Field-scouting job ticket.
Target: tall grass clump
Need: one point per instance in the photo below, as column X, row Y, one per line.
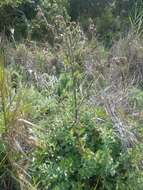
column 16, row 142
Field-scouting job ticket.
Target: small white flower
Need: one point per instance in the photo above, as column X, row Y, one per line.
column 30, row 71
column 12, row 31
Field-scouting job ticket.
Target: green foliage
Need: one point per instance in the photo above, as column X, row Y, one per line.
column 10, row 2
column 82, row 155
column 136, row 18
column 54, row 8
column 107, row 22
column 55, row 133
column 86, row 155
column 91, row 8
column 36, row 19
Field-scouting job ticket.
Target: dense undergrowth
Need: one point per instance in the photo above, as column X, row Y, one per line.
column 71, row 115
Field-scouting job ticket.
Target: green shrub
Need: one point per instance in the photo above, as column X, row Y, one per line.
column 84, row 155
